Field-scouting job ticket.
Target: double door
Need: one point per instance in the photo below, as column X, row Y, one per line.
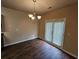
column 54, row 32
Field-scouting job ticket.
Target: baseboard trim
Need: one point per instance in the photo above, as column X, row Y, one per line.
column 62, row 49
column 69, row 53
column 17, row 42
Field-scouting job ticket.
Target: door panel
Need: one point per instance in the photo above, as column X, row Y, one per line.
column 48, row 31
column 58, row 33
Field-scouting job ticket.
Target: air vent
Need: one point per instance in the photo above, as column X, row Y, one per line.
column 49, row 7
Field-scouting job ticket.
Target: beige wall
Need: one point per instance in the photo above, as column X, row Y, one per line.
column 18, row 27
column 70, row 36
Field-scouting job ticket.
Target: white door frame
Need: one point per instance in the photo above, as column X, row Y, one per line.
column 56, row 20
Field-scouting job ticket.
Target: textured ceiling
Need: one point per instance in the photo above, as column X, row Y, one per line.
column 41, row 5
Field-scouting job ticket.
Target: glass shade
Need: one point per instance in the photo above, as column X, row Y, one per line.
column 30, row 15
column 39, row 17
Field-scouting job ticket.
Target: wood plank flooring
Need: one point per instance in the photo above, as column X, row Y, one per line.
column 33, row 49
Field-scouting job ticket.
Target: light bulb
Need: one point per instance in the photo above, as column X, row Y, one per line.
column 39, row 17
column 30, row 15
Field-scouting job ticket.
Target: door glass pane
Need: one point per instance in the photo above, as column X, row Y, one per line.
column 48, row 31
column 58, row 33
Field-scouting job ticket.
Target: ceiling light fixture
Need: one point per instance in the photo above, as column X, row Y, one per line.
column 34, row 15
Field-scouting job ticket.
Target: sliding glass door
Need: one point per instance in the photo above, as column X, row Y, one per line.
column 54, row 32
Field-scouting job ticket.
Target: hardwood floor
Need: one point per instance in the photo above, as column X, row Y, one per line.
column 33, row 49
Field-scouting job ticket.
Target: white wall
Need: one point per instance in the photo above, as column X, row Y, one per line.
column 18, row 27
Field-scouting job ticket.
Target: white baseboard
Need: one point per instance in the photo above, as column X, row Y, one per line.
column 63, row 49
column 17, row 42
column 69, row 53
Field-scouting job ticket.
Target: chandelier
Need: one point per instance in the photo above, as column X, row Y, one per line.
column 34, row 16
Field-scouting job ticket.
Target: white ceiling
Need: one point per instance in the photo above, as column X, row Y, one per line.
column 41, row 5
